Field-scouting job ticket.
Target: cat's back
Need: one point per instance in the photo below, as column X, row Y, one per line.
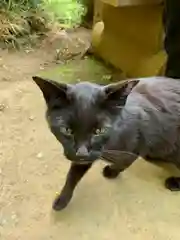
column 154, row 106
column 156, row 93
column 159, row 86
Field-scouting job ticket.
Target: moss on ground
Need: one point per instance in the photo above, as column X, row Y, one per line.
column 87, row 69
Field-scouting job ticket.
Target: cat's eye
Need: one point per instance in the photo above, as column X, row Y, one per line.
column 66, row 130
column 99, row 131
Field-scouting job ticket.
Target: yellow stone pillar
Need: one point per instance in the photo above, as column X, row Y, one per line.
column 129, row 35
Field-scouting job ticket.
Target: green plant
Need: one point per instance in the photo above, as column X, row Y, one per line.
column 10, row 5
column 68, row 12
column 19, row 19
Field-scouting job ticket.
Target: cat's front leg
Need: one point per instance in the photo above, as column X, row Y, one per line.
column 76, row 172
column 173, row 183
column 113, row 170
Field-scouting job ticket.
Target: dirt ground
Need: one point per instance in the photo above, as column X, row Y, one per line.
column 135, row 206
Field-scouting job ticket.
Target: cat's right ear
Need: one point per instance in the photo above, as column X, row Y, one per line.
column 51, row 90
column 117, row 93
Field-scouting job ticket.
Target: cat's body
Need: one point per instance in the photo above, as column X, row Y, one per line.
column 138, row 117
column 151, row 117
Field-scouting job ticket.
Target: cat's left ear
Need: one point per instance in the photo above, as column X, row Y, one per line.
column 51, row 89
column 117, row 93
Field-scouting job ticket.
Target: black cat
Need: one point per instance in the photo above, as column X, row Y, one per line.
column 137, row 116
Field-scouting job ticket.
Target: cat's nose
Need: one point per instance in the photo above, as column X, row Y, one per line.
column 82, row 152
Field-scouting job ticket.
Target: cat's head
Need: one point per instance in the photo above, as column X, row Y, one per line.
column 81, row 115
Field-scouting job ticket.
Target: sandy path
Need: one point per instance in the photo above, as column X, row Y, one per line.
column 134, row 207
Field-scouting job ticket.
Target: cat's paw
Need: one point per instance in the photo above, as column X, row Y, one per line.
column 110, row 173
column 60, row 202
column 173, row 183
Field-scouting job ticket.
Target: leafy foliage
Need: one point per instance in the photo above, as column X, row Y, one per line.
column 23, row 18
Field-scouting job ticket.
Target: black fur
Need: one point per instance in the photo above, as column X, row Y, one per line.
column 139, row 117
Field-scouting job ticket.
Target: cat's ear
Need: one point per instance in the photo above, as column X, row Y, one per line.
column 51, row 89
column 117, row 93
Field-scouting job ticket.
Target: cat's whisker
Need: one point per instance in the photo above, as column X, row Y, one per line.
column 117, row 152
column 115, row 155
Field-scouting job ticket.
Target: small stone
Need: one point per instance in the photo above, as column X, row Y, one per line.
column 5, row 79
column 39, row 155
column 2, row 107
column 31, row 118
column 19, row 91
column 3, row 222
column 4, row 66
column 14, row 217
column 59, row 62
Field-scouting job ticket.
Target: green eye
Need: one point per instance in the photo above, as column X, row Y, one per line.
column 66, row 130
column 99, row 131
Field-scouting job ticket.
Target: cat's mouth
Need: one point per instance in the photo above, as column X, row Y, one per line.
column 93, row 156
column 83, row 161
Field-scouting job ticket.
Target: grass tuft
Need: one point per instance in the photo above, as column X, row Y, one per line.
column 21, row 19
